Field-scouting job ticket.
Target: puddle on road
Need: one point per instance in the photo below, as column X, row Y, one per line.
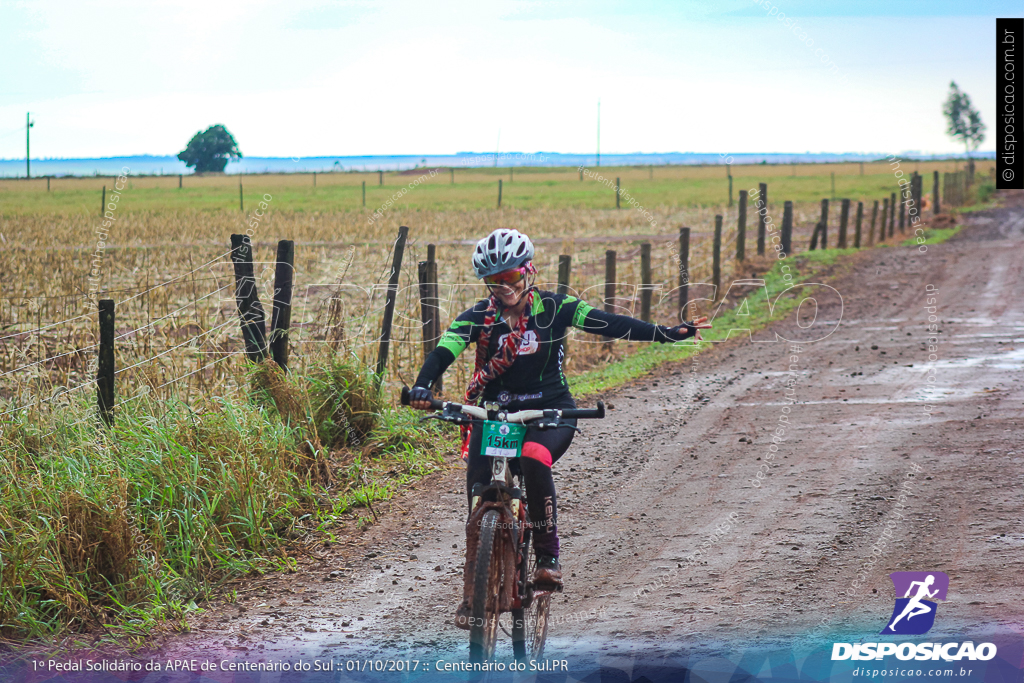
column 1012, row 359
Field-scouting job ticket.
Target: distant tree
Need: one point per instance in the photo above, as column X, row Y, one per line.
column 964, row 120
column 209, row 150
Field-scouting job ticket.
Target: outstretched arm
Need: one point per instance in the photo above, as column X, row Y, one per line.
column 592, row 320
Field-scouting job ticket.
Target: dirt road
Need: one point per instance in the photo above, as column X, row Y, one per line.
column 866, row 417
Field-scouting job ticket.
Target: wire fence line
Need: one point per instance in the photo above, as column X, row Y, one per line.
column 339, row 315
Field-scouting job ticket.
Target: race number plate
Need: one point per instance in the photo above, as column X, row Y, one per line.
column 503, row 440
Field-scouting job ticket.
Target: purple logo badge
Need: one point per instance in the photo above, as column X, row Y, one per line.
column 915, row 608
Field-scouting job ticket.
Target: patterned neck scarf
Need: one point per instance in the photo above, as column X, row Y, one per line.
column 488, row 369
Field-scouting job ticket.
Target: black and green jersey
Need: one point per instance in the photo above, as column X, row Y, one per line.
column 535, row 377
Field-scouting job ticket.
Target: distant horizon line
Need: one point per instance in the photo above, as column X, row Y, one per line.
column 499, row 155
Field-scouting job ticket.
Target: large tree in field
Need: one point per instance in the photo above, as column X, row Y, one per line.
column 964, row 120
column 209, row 150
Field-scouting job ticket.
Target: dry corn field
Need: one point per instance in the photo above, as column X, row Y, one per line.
column 177, row 325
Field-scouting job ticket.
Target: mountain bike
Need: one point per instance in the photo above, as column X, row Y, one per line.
column 501, row 561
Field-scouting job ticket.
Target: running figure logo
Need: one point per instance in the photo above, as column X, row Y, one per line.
column 914, row 613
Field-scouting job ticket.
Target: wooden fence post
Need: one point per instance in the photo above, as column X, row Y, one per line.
column 434, row 294
column 314, row 178
column 903, row 211
column 716, row 257
column 247, row 299
column 105, row 374
column 892, row 214
column 426, row 309
column 915, row 184
column 364, row 193
column 871, row 230
column 762, row 223
column 844, row 220
column 856, row 228
column 452, row 170
column 787, row 227
column 281, row 315
column 47, row 183
column 389, row 304
column 428, row 301
column 618, row 192
column 645, row 282
column 430, row 308
column 564, row 269
column 935, row 193
column 833, row 188
column 730, row 190
column 103, row 201
column 684, row 270
column 741, row 228
column 609, row 287
column 885, row 219
column 380, row 177
column 824, row 224
column 179, row 181
column 581, row 175
column 241, row 204
column 435, row 298
column 499, row 193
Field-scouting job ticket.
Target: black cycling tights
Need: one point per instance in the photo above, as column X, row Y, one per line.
column 541, row 449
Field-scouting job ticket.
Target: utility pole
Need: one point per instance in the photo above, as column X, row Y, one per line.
column 599, row 132
column 28, row 164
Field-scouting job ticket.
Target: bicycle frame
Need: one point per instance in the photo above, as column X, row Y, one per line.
column 502, row 504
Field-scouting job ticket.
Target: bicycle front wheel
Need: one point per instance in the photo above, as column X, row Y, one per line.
column 541, row 607
column 483, row 632
column 530, row 626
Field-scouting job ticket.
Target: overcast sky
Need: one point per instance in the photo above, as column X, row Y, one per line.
column 313, row 78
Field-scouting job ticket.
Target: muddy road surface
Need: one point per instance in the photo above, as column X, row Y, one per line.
column 900, row 450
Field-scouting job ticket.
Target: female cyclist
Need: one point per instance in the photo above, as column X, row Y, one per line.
column 519, row 332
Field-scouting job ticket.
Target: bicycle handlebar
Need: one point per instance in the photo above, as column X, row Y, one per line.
column 519, row 416
column 586, row 413
column 434, row 403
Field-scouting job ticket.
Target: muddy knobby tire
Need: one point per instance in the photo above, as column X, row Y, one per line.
column 483, row 630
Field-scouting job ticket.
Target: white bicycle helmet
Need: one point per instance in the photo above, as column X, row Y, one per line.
column 502, row 250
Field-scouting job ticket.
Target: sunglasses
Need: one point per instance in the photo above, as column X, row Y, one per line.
column 507, row 278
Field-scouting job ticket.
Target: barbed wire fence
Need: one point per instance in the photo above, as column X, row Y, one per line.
column 184, row 348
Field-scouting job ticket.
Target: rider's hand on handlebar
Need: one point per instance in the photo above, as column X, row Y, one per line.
column 420, row 397
column 692, row 328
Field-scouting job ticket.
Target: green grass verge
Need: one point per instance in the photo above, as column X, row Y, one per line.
column 650, row 356
column 803, row 267
column 933, row 236
column 116, row 532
